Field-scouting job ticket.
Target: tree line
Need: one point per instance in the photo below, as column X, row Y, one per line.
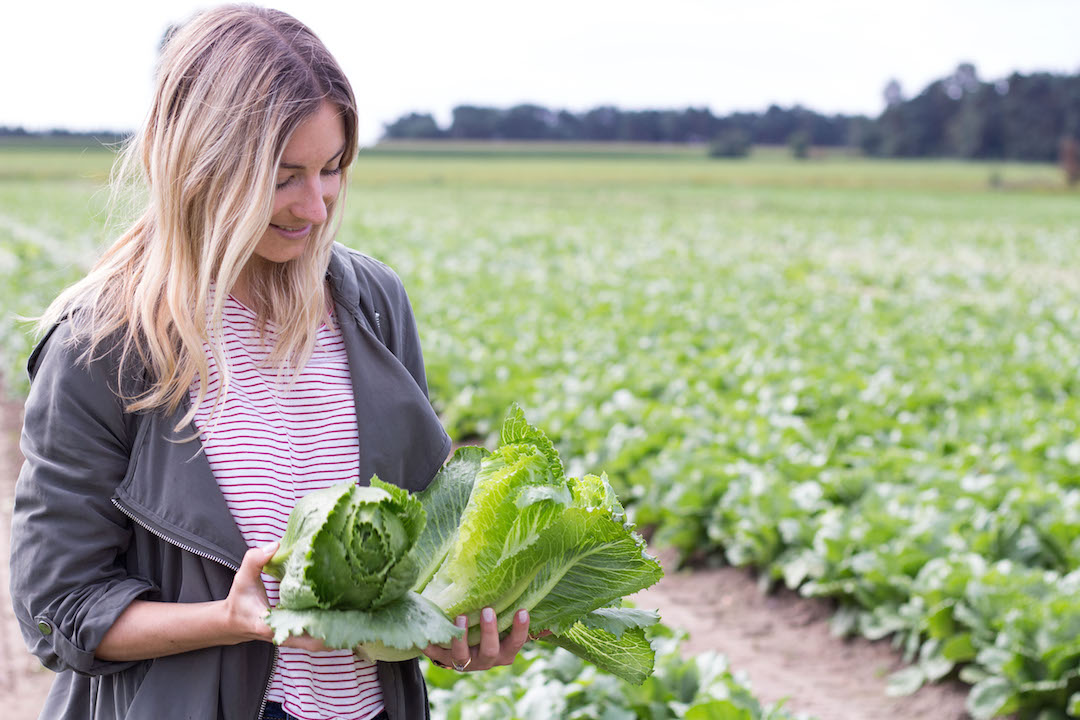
column 1021, row 117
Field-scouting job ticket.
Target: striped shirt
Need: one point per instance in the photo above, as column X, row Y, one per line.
column 271, row 445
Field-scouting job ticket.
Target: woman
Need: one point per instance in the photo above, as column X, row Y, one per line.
column 223, row 358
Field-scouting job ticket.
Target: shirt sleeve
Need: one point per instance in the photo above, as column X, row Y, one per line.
column 68, row 579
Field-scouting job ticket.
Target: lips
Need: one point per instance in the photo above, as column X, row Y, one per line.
column 294, row 233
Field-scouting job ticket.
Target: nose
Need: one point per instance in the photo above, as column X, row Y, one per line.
column 313, row 203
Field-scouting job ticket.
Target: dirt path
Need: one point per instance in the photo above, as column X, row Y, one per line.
column 23, row 681
column 781, row 641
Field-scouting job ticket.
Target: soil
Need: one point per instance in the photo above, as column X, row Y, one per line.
column 23, row 681
column 782, row 645
column 780, row 642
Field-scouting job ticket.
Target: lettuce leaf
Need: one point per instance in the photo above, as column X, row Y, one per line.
column 558, row 547
column 504, row 529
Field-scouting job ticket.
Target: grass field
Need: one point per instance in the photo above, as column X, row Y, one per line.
column 859, row 375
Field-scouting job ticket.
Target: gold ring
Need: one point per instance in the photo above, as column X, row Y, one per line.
column 461, row 668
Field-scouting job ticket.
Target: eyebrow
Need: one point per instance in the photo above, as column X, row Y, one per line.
column 291, row 166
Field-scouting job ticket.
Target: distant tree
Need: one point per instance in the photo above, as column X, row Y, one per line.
column 732, row 142
column 1070, row 159
column 413, row 126
column 525, row 122
column 893, row 93
column 975, row 130
column 1070, row 104
column 916, row 128
column 697, row 125
column 1020, row 117
column 601, row 123
column 963, row 81
column 958, row 115
column 1032, row 117
column 864, row 135
column 799, row 144
column 472, row 122
column 640, row 126
column 775, row 126
column 568, row 126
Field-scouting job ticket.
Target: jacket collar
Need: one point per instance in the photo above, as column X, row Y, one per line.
column 344, row 286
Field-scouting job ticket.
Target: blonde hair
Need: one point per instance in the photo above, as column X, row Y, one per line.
column 231, row 87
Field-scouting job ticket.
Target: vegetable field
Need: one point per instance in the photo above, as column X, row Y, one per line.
column 860, row 377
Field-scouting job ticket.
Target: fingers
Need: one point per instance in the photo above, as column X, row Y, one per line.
column 460, row 655
column 245, row 607
column 255, row 558
column 306, row 642
column 489, row 649
column 438, row 655
column 519, row 633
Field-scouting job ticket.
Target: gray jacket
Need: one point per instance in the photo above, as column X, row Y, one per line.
column 109, row 507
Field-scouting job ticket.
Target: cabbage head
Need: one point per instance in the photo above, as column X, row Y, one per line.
column 346, row 568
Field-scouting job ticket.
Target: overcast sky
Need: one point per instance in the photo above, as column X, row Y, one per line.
column 88, row 65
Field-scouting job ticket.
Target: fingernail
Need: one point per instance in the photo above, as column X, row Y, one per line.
column 271, row 546
column 523, row 616
column 462, row 621
column 488, row 614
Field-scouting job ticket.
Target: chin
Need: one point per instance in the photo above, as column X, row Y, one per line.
column 275, row 251
column 280, row 258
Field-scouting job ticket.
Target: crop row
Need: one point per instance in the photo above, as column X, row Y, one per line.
column 547, row 683
column 871, row 396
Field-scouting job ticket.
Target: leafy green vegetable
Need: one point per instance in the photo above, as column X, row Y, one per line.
column 346, row 568
column 506, row 530
column 546, row 682
column 559, row 547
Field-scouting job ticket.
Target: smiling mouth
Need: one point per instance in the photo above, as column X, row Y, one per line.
column 292, row 230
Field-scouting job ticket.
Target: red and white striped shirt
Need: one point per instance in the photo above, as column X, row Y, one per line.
column 271, row 445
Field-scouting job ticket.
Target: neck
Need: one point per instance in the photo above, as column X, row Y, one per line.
column 243, row 289
column 244, row 293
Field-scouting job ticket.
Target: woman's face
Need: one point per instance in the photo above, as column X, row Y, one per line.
column 308, row 180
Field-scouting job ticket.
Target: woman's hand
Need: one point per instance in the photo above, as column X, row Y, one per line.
column 149, row 629
column 247, row 605
column 491, row 651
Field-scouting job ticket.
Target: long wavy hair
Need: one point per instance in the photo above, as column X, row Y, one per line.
column 231, row 86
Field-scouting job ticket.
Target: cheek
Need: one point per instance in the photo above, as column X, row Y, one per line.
column 281, row 201
column 331, row 188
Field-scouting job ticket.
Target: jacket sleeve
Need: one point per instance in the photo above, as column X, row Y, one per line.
column 68, row 581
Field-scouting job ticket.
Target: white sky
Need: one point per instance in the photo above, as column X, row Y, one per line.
column 87, row 65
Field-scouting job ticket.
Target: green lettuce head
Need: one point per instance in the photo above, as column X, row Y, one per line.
column 348, row 548
column 346, row 565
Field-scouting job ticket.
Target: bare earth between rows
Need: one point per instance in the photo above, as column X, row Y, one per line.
column 780, row 642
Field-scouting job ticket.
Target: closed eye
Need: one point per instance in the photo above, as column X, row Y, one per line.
column 331, row 172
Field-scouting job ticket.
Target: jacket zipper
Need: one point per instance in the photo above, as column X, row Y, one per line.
column 221, row 561
column 146, row 526
column 269, row 682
